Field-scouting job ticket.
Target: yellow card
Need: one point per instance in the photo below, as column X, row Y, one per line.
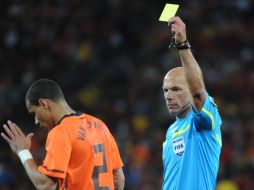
column 168, row 12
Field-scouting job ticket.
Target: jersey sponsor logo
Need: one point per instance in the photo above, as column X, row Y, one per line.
column 178, row 146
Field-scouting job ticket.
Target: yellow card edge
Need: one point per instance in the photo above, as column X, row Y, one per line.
column 164, row 9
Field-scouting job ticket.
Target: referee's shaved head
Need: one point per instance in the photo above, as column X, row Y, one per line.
column 44, row 88
column 177, row 75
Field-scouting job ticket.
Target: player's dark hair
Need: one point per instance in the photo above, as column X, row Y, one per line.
column 44, row 88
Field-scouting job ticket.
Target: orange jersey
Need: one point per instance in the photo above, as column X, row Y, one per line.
column 82, row 154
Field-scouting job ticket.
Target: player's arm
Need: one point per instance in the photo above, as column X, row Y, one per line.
column 118, row 179
column 39, row 180
column 20, row 144
column 192, row 70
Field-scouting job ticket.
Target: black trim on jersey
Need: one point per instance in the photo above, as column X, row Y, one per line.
column 54, row 170
column 69, row 115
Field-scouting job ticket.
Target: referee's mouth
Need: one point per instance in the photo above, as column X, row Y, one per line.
column 172, row 106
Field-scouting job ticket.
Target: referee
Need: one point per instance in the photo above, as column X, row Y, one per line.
column 193, row 142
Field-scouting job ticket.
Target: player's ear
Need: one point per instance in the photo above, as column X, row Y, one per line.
column 44, row 103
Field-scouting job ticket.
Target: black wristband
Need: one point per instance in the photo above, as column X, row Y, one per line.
column 183, row 45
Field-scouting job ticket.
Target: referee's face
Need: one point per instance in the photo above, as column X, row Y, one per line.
column 176, row 93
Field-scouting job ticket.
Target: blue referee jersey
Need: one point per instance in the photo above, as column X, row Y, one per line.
column 192, row 149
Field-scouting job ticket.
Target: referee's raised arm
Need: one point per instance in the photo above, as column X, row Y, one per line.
column 192, row 70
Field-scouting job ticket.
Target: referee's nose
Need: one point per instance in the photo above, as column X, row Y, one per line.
column 169, row 95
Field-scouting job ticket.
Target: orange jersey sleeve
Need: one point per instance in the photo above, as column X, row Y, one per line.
column 58, row 152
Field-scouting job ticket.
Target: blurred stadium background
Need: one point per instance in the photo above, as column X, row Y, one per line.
column 110, row 57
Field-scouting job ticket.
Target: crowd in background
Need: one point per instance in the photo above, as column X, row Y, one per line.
column 110, row 57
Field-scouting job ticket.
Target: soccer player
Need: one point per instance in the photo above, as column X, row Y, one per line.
column 193, row 142
column 81, row 153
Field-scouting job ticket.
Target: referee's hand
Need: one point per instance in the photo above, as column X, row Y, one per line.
column 178, row 29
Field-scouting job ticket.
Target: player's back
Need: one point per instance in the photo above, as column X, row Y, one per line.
column 94, row 154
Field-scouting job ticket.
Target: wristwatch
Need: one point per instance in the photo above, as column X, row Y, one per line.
column 183, row 45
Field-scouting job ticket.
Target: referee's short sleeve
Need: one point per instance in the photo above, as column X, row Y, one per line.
column 208, row 118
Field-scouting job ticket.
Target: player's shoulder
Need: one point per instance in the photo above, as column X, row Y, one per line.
column 90, row 118
column 94, row 119
column 68, row 122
